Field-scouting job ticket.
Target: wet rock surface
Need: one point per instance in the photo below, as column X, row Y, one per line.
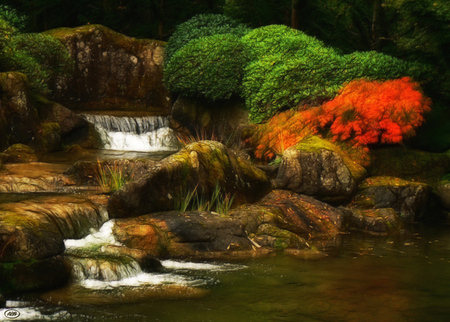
column 318, row 168
column 201, row 165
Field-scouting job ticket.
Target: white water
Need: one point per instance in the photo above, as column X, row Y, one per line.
column 143, row 134
column 100, row 274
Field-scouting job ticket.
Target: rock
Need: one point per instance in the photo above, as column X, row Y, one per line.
column 33, row 275
column 407, row 198
column 2, row 301
column 375, row 221
column 281, row 220
column 35, row 177
column 299, row 214
column 220, row 119
column 35, row 229
column 86, row 172
column 182, row 234
column 147, row 262
column 18, row 153
column 200, row 166
column 56, row 113
column 112, row 71
column 316, row 167
column 443, row 191
column 18, row 118
column 51, row 136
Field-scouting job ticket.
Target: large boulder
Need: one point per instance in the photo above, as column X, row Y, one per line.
column 201, row 166
column 112, row 71
column 443, row 191
column 18, row 153
column 36, row 229
column 387, row 204
column 18, row 118
column 316, row 167
column 281, row 220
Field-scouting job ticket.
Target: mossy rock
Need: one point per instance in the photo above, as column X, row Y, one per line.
column 319, row 168
column 19, row 153
column 33, row 275
column 200, row 166
column 112, row 71
column 374, row 221
column 412, row 165
column 408, row 198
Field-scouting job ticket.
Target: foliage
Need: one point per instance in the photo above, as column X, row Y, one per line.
column 41, row 57
column 218, row 201
column 282, row 131
column 211, row 67
column 202, row 26
column 280, row 39
column 371, row 112
column 311, row 74
column 13, row 17
column 110, row 177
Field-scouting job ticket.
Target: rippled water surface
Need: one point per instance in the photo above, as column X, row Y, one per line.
column 397, row 278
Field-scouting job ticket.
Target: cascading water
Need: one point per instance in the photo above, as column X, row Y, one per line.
column 126, row 133
column 93, row 268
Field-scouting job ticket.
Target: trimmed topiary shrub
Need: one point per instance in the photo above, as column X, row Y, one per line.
column 280, row 39
column 202, row 26
column 210, row 67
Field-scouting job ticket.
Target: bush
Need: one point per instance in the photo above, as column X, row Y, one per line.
column 41, row 57
column 371, row 112
column 202, row 26
column 210, row 67
column 13, row 17
column 280, row 39
column 279, row 82
column 276, row 83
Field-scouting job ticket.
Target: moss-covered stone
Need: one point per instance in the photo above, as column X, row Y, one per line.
column 112, row 71
column 319, row 168
column 199, row 166
column 33, row 274
column 18, row 153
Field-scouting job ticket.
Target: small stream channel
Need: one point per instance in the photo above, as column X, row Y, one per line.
column 363, row 278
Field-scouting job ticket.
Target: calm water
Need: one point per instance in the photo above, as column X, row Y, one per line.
column 399, row 278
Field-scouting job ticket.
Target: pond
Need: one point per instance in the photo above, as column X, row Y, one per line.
column 362, row 278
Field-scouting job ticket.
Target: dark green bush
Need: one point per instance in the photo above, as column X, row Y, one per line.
column 202, row 26
column 210, row 67
column 13, row 17
column 41, row 57
column 280, row 39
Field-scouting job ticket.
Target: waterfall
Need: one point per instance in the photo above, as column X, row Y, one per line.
column 126, row 133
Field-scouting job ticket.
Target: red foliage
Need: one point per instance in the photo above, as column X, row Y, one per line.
column 281, row 132
column 371, row 112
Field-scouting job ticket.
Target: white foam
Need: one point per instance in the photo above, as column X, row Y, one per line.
column 142, row 279
column 176, row 265
column 103, row 236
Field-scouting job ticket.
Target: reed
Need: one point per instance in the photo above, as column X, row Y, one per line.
column 110, row 177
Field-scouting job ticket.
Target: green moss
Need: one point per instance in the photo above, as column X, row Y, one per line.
column 315, row 144
column 412, row 165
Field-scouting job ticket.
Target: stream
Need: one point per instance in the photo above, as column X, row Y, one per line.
column 363, row 278
column 403, row 277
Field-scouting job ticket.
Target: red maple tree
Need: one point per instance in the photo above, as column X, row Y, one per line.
column 372, row 112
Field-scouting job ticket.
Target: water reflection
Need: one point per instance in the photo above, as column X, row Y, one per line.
column 364, row 278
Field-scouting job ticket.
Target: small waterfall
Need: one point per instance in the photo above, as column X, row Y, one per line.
column 144, row 134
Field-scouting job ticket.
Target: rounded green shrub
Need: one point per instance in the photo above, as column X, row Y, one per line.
column 275, row 83
column 202, row 26
column 280, row 39
column 41, row 57
column 210, row 67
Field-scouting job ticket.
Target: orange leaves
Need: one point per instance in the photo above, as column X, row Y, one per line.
column 279, row 133
column 370, row 112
